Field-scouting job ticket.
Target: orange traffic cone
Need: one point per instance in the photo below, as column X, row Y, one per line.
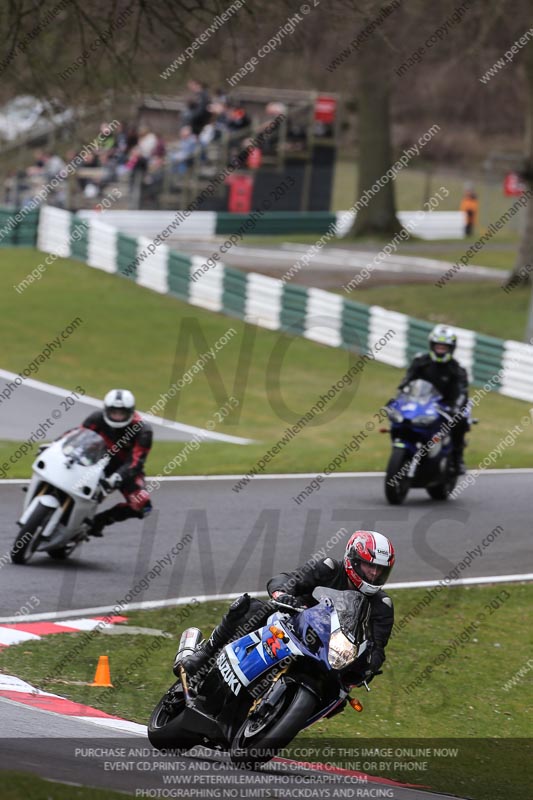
column 102, row 676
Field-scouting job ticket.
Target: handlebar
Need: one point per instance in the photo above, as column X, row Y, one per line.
column 286, row 606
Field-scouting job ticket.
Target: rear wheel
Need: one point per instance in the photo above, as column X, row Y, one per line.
column 396, row 480
column 267, row 730
column 443, row 490
column 29, row 535
column 62, row 553
column 165, row 726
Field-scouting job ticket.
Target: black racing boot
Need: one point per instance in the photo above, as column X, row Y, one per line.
column 118, row 513
column 201, row 661
column 98, row 523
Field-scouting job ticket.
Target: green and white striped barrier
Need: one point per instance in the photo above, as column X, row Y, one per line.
column 321, row 316
column 207, row 224
column 18, row 228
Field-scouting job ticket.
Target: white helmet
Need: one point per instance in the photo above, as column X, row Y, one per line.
column 442, row 343
column 119, row 408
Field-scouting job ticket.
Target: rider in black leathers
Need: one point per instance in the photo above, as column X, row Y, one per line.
column 439, row 368
column 367, row 563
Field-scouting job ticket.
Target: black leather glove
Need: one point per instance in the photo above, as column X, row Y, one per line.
column 370, row 674
column 375, row 660
column 287, row 599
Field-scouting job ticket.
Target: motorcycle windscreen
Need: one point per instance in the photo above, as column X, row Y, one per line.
column 352, row 610
column 84, row 446
column 421, row 391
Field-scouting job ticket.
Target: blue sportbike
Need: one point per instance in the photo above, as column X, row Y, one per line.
column 266, row 686
column 422, row 451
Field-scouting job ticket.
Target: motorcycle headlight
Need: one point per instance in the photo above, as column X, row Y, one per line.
column 341, row 650
column 394, row 415
column 424, row 419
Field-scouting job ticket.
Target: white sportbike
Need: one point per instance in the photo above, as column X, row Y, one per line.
column 62, row 497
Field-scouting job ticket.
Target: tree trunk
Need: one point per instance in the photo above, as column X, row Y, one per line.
column 379, row 216
column 522, row 268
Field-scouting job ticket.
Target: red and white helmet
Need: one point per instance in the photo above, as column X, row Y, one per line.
column 368, row 560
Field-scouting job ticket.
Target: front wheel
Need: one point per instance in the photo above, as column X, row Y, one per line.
column 397, row 481
column 267, row 730
column 165, row 725
column 28, row 537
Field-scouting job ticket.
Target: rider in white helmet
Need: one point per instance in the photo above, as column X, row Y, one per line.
column 440, row 368
column 129, row 440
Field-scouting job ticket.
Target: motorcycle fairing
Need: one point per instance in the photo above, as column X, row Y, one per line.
column 253, row 654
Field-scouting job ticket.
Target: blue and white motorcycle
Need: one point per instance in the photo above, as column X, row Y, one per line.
column 422, row 451
column 268, row 685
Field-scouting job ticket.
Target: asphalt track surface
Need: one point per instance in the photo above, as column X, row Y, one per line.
column 34, row 407
column 236, row 542
column 66, row 757
column 333, row 267
column 228, row 542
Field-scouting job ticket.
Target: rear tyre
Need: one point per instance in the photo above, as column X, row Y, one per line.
column 263, row 734
column 29, row 535
column 62, row 553
column 165, row 726
column 59, row 553
column 396, row 481
column 443, row 490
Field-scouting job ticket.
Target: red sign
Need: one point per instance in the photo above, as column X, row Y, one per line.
column 325, row 109
column 240, row 193
column 255, row 158
column 512, row 185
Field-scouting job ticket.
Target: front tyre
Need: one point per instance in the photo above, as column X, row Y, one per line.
column 396, row 480
column 165, row 726
column 29, row 535
column 267, row 730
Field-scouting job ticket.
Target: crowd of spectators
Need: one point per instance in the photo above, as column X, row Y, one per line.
column 140, row 155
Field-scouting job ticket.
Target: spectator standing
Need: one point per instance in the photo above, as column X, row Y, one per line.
column 198, row 113
column 470, row 207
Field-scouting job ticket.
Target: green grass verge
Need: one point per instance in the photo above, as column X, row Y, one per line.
column 462, row 699
column 444, row 251
column 494, row 312
column 129, row 337
column 412, row 189
column 23, row 786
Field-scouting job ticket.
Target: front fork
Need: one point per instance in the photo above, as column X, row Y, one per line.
column 415, row 461
column 415, row 458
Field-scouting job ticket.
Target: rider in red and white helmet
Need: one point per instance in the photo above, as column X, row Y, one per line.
column 367, row 564
column 368, row 561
